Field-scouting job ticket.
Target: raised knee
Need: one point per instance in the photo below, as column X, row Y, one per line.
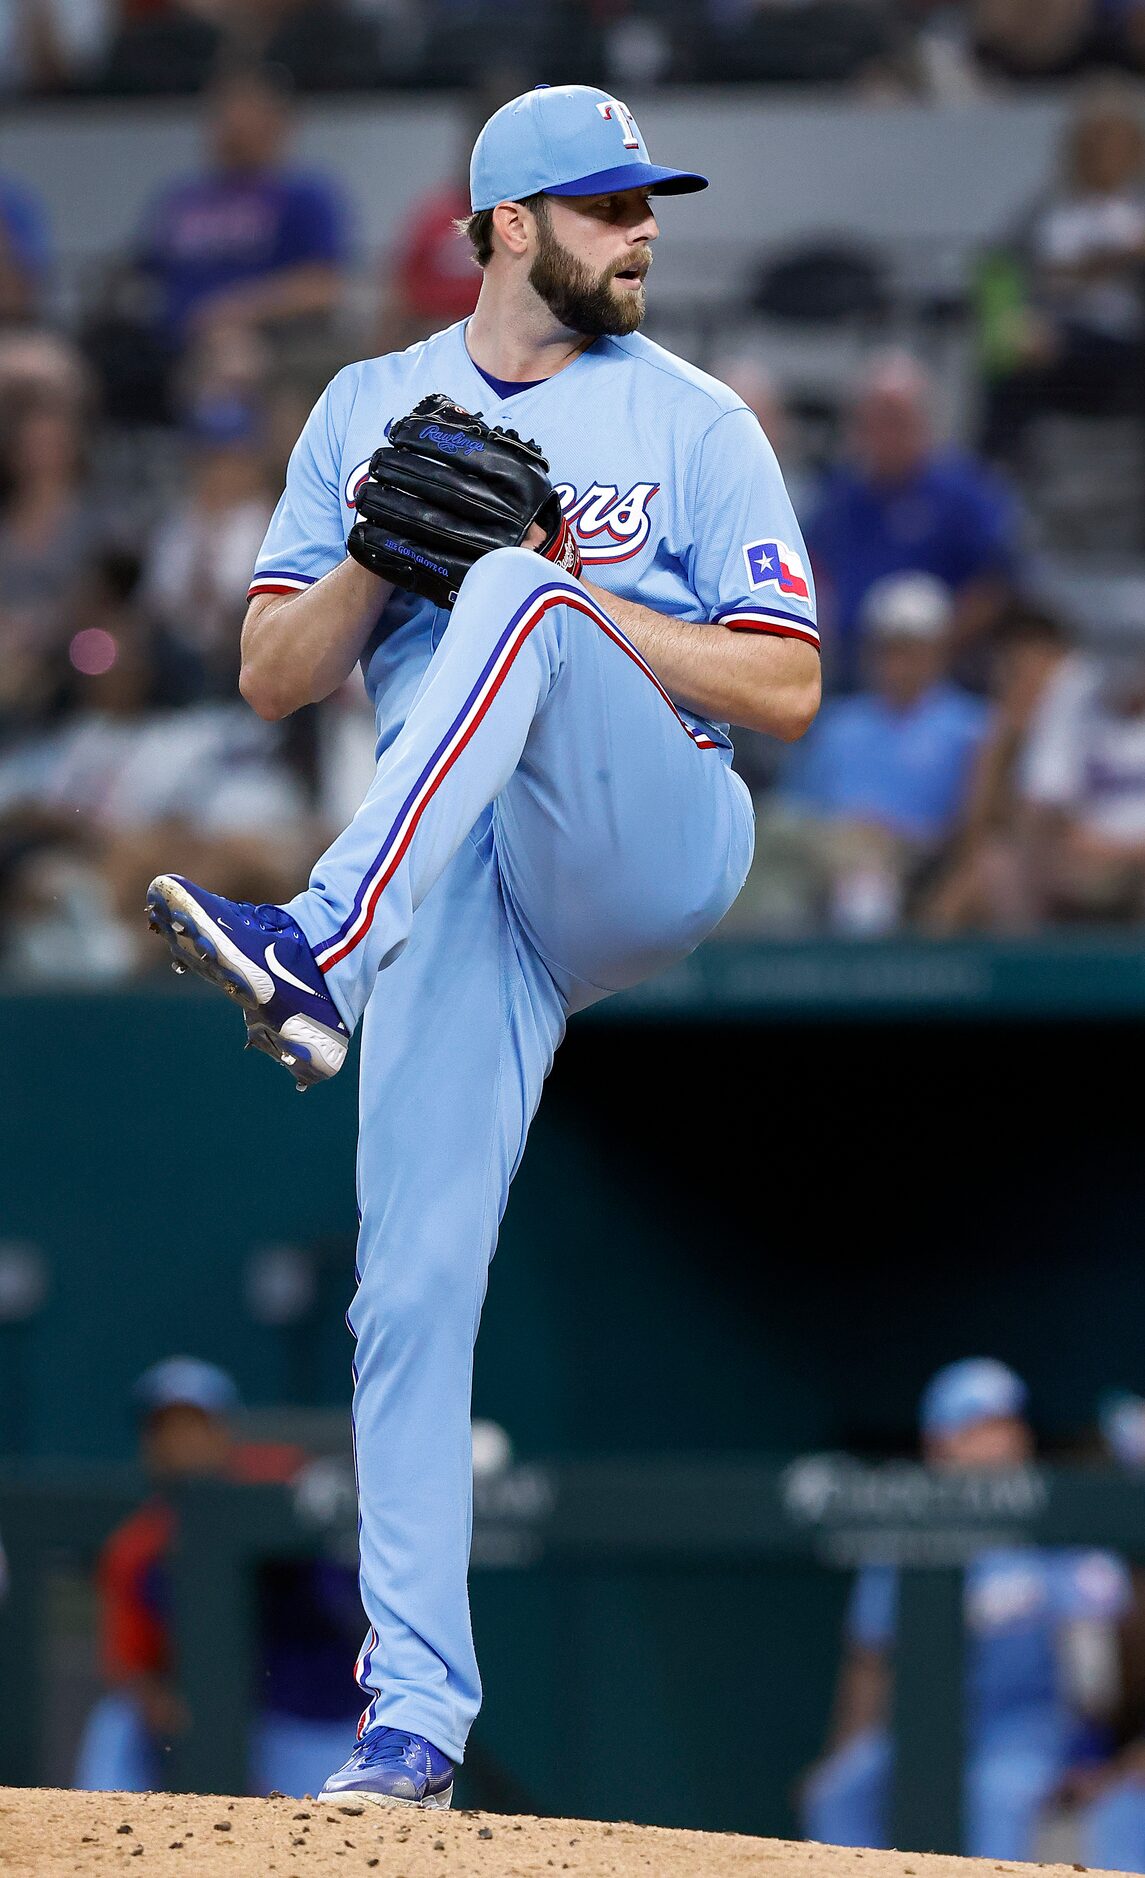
column 512, row 574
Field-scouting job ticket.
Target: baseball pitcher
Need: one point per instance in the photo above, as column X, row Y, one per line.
column 565, row 561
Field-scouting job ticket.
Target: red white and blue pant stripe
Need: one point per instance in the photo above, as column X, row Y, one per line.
column 545, row 827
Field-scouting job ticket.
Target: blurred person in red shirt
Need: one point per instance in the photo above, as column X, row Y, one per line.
column 187, row 1409
column 429, row 277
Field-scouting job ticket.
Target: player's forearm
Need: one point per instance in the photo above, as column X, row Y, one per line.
column 298, row 648
column 755, row 680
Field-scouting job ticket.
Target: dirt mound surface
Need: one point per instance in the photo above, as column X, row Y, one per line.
column 43, row 1831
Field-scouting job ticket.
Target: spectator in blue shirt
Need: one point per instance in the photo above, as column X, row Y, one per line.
column 898, row 754
column 901, row 504
column 24, row 253
column 250, row 243
column 876, row 789
column 1037, row 1618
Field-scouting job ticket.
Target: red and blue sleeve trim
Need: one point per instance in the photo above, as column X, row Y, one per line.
column 279, row 580
column 769, row 619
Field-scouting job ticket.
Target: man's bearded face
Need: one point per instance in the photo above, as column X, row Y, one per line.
column 581, row 300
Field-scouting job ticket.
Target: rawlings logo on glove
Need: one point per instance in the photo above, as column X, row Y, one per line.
column 455, row 441
column 446, row 489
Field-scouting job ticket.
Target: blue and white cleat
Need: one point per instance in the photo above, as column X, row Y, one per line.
column 259, row 955
column 392, row 1768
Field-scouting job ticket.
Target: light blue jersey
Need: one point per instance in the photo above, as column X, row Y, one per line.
column 1023, row 1726
column 1018, row 1599
column 672, row 489
column 545, row 825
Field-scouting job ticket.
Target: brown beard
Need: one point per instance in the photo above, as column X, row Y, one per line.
column 582, row 301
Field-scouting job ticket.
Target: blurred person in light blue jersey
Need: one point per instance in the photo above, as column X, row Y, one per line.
column 899, row 753
column 1039, row 1663
column 1113, row 1831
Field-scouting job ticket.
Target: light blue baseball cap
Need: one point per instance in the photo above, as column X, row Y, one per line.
column 566, row 140
column 978, row 1389
column 185, row 1381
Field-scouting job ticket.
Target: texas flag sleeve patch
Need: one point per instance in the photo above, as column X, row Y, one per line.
column 773, row 563
column 781, row 601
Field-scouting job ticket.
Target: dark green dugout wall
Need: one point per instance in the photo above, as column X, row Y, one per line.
column 758, row 1233
column 740, row 1234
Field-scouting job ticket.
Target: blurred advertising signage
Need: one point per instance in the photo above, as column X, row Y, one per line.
column 899, row 1512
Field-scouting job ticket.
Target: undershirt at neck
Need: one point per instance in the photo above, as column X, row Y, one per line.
column 506, row 387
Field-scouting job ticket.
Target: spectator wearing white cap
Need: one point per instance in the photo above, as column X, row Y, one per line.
column 1031, row 1694
column 875, row 791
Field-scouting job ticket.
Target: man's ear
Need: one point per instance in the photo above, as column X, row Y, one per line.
column 514, row 225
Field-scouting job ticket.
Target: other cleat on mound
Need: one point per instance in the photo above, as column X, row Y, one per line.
column 393, row 1768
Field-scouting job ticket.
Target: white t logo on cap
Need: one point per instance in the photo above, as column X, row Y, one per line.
column 614, row 111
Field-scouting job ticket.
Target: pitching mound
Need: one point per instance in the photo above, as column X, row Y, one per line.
column 43, row 1831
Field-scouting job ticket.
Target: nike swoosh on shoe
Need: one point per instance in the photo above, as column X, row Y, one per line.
column 287, row 977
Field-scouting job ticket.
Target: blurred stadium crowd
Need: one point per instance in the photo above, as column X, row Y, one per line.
column 930, row 47
column 979, row 765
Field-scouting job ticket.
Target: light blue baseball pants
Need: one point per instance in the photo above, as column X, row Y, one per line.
column 545, row 828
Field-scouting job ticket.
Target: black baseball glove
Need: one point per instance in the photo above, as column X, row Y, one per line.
column 445, row 489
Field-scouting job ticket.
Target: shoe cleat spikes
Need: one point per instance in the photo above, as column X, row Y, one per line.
column 177, row 926
column 178, row 967
column 302, row 1087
